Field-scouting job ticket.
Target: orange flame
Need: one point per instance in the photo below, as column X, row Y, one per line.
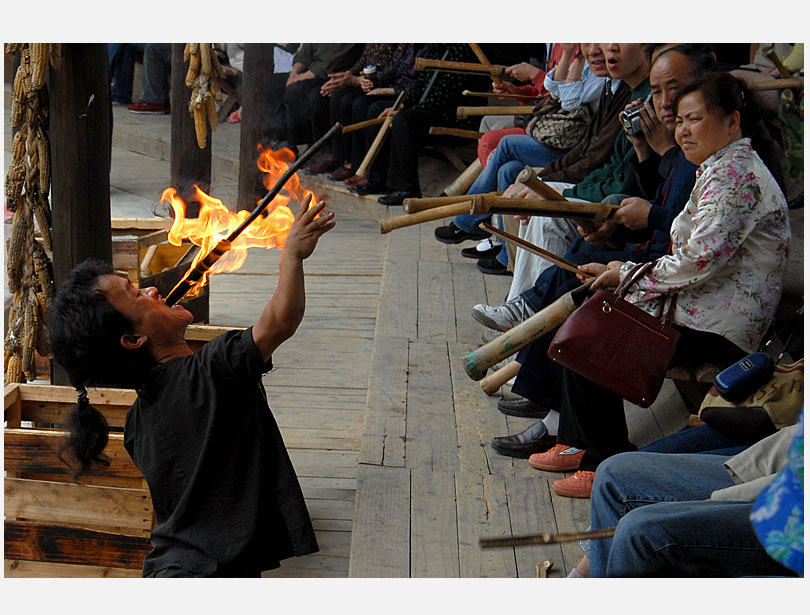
column 216, row 222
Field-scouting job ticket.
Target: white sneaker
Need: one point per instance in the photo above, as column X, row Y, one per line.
column 503, row 317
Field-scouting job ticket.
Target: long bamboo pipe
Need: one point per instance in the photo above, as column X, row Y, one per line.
column 413, row 206
column 527, row 97
column 495, row 70
column 483, row 59
column 361, row 125
column 463, row 113
column 455, row 132
column 529, row 178
column 530, row 247
column 462, row 183
column 494, row 381
column 477, row 362
column 372, row 152
column 595, row 212
column 195, row 274
column 777, row 84
column 545, row 539
column 437, row 213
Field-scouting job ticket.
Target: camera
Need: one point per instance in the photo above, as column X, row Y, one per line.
column 631, row 118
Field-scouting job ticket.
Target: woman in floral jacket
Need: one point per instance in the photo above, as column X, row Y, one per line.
column 725, row 269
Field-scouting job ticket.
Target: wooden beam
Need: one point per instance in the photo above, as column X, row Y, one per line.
column 67, row 545
column 256, row 126
column 34, row 450
column 80, row 127
column 126, row 511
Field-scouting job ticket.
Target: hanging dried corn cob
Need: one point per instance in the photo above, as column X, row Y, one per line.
column 28, row 181
column 204, row 76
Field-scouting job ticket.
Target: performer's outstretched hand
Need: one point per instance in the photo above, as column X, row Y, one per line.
column 308, row 228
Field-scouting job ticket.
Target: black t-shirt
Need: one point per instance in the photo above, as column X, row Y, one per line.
column 226, row 498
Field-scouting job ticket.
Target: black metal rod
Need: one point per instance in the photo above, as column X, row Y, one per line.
column 193, row 275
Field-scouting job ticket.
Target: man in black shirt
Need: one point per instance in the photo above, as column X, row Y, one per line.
column 226, row 498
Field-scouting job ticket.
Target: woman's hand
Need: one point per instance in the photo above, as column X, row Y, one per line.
column 389, row 112
column 306, row 229
column 609, row 277
column 633, row 213
column 338, row 80
column 601, row 234
column 367, row 85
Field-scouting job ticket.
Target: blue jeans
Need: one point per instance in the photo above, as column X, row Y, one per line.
column 664, row 526
column 122, row 69
column 505, row 163
column 700, row 439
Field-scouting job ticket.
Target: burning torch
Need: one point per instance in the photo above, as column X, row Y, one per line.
column 195, row 274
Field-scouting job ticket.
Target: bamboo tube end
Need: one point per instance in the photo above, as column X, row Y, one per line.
column 472, row 368
column 478, row 205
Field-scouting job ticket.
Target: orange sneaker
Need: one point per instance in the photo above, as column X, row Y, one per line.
column 578, row 485
column 561, row 458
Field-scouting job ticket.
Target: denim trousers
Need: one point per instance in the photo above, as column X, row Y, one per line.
column 665, row 526
column 507, row 160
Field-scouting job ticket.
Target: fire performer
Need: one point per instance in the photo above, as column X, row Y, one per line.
column 226, row 498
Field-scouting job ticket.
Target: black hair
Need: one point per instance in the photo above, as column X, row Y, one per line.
column 85, row 331
column 700, row 56
column 724, row 94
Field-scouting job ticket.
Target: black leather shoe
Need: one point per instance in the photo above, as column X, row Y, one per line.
column 522, row 407
column 396, row 197
column 526, row 443
column 492, row 266
column 369, row 188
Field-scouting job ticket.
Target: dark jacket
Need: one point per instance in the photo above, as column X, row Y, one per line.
column 596, row 147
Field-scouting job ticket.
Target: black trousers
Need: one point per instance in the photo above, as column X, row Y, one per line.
column 299, row 100
column 409, row 131
column 592, row 418
column 368, row 108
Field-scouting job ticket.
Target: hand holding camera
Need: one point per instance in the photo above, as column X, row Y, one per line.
column 644, row 130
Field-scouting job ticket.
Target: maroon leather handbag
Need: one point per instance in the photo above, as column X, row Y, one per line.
column 616, row 345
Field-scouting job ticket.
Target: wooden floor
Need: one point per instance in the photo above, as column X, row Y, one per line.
column 389, row 437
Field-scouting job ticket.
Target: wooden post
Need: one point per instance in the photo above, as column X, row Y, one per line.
column 189, row 164
column 80, row 161
column 256, row 120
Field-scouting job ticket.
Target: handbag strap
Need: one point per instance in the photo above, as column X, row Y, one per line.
column 636, row 273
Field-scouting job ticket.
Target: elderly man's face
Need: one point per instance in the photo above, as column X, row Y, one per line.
column 670, row 71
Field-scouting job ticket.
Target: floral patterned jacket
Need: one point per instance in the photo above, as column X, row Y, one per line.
column 730, row 247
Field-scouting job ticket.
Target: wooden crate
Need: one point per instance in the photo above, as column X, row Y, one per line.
column 141, row 249
column 53, row 527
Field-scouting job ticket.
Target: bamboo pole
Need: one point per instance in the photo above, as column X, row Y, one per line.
column 777, row 84
column 530, row 247
column 545, row 539
column 595, row 212
column 375, row 146
column 495, row 70
column 361, row 125
column 527, row 97
column 437, row 213
column 483, row 59
column 463, row 113
column 529, row 178
column 478, row 361
column 413, row 206
column 494, row 381
column 455, row 132
column 463, row 182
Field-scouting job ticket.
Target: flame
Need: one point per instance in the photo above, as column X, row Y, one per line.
column 216, row 222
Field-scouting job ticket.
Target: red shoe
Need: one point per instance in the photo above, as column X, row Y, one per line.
column 353, row 180
column 338, row 175
column 149, row 108
column 561, row 458
column 235, row 117
column 578, row 485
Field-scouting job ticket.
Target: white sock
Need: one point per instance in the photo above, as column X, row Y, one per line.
column 552, row 422
column 575, row 574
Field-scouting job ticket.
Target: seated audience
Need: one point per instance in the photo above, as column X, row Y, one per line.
column 729, row 250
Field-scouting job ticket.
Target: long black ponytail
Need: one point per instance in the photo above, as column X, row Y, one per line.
column 85, row 331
